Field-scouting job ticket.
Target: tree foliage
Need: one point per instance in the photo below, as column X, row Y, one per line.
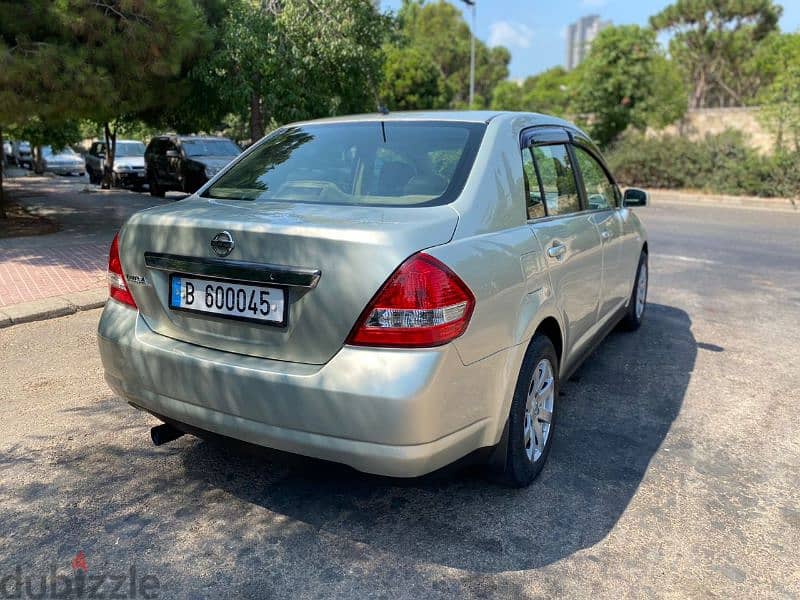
column 549, row 92
column 290, row 60
column 713, row 41
column 626, row 80
column 778, row 59
column 438, row 31
column 106, row 61
column 412, row 81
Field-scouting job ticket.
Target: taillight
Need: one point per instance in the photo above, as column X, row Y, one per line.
column 422, row 304
column 117, row 287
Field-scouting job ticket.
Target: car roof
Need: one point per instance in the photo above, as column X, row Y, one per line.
column 464, row 116
column 200, row 137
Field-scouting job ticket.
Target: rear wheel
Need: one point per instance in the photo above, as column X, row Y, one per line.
column 532, row 418
column 155, row 189
column 638, row 302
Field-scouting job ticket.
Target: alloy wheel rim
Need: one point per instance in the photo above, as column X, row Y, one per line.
column 539, row 410
column 641, row 291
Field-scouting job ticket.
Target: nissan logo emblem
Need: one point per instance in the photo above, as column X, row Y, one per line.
column 222, row 244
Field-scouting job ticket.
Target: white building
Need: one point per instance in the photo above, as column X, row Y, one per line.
column 580, row 36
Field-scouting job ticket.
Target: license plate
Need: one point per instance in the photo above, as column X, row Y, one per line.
column 228, row 299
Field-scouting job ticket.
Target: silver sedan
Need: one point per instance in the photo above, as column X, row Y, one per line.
column 393, row 292
column 62, row 162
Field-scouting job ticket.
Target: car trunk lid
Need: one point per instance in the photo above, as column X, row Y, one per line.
column 351, row 249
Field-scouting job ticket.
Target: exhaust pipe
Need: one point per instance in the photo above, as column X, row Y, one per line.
column 161, row 434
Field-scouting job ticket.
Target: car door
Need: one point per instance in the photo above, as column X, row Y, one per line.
column 569, row 237
column 603, row 200
column 171, row 158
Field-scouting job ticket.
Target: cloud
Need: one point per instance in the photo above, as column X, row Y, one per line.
column 503, row 33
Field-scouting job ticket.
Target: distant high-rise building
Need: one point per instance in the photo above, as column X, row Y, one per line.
column 580, row 36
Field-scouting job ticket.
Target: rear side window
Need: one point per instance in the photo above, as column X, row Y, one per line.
column 558, row 179
column 395, row 163
column 533, row 196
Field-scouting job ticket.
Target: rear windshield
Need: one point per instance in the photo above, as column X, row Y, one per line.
column 210, row 148
column 374, row 163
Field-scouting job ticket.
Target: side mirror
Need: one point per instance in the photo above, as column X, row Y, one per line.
column 635, row 197
column 173, row 154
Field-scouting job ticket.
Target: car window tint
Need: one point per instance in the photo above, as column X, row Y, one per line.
column 558, row 179
column 600, row 193
column 533, row 195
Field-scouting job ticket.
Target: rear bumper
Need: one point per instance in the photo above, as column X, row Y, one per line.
column 389, row 412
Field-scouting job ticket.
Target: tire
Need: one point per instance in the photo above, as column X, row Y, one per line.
column 637, row 306
column 528, row 446
column 155, row 189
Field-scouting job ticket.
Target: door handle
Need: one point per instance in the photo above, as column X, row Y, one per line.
column 556, row 250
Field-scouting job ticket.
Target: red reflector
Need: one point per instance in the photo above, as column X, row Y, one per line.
column 117, row 286
column 422, row 304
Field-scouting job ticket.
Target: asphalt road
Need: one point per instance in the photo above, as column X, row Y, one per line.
column 674, row 472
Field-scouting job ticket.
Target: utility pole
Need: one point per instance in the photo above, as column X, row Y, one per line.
column 471, row 3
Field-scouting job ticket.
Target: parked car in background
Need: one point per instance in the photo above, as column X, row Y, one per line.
column 64, row 161
column 393, row 292
column 23, row 154
column 185, row 163
column 129, row 169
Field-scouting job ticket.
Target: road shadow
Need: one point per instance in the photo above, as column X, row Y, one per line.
column 615, row 413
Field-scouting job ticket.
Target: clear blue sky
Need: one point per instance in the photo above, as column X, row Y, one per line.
column 534, row 29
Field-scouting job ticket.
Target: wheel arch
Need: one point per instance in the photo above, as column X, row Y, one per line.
column 549, row 327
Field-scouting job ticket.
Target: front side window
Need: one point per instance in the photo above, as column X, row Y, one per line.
column 395, row 163
column 600, row 191
column 558, row 179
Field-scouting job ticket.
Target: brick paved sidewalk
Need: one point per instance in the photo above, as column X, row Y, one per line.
column 34, row 273
column 33, row 269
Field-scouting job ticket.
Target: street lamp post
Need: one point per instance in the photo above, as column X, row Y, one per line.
column 471, row 3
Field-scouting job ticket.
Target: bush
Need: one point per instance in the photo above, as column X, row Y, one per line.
column 721, row 164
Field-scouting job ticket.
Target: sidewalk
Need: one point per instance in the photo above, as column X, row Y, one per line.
column 58, row 274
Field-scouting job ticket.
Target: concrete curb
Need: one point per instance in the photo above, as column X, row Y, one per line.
column 50, row 308
column 695, row 198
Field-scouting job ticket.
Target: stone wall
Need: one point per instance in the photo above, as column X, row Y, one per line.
column 697, row 123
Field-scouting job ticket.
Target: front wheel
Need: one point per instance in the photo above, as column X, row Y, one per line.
column 532, row 418
column 638, row 302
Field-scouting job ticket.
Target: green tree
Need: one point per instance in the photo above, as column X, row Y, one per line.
column 439, row 31
column 45, row 78
column 713, row 40
column 778, row 58
column 141, row 49
column 548, row 92
column 281, row 61
column 107, row 61
column 626, row 80
column 412, row 81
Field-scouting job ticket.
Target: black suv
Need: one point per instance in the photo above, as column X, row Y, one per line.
column 185, row 163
